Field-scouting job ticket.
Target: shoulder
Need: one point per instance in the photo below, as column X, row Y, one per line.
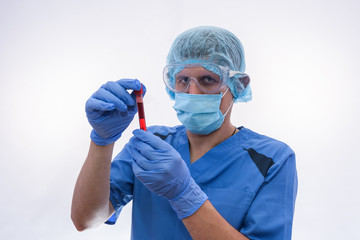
column 267, row 153
column 271, row 146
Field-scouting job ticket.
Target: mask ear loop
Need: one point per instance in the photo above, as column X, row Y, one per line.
column 225, row 92
column 232, row 102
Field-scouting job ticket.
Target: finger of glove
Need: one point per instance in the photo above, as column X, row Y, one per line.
column 142, row 161
column 154, row 141
column 144, row 89
column 132, row 84
column 140, row 145
column 149, row 178
column 120, row 92
column 137, row 169
column 106, row 96
column 96, row 104
column 150, row 153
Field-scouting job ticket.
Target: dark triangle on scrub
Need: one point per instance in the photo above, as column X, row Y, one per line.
column 262, row 162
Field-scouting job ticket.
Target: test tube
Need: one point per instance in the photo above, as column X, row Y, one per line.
column 140, row 106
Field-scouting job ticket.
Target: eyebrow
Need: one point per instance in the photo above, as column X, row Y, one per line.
column 200, row 75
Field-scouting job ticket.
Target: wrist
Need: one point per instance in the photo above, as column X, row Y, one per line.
column 103, row 141
column 189, row 201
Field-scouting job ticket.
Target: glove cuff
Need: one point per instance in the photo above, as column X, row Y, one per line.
column 103, row 141
column 189, row 201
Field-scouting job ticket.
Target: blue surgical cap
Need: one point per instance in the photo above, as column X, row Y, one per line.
column 208, row 44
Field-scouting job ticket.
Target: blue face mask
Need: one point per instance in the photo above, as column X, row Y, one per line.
column 200, row 113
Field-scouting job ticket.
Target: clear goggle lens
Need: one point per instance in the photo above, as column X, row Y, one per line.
column 210, row 78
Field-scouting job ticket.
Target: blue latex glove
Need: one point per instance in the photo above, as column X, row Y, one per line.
column 162, row 170
column 111, row 109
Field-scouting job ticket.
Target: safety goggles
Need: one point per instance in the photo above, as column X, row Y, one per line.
column 209, row 77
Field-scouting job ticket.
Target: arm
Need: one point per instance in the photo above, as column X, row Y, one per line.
column 109, row 111
column 270, row 215
column 273, row 207
column 207, row 223
column 90, row 204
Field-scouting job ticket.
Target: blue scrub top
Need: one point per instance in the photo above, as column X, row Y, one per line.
column 249, row 178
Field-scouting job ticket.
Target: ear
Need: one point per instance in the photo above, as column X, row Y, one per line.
column 245, row 80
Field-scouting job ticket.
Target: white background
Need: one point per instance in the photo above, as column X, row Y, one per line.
column 302, row 56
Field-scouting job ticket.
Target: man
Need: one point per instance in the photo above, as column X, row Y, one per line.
column 204, row 179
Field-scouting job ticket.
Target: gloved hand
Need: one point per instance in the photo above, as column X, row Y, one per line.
column 162, row 170
column 111, row 109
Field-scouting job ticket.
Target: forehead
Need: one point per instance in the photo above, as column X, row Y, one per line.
column 195, row 71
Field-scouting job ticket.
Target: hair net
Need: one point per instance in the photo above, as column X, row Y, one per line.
column 208, row 44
